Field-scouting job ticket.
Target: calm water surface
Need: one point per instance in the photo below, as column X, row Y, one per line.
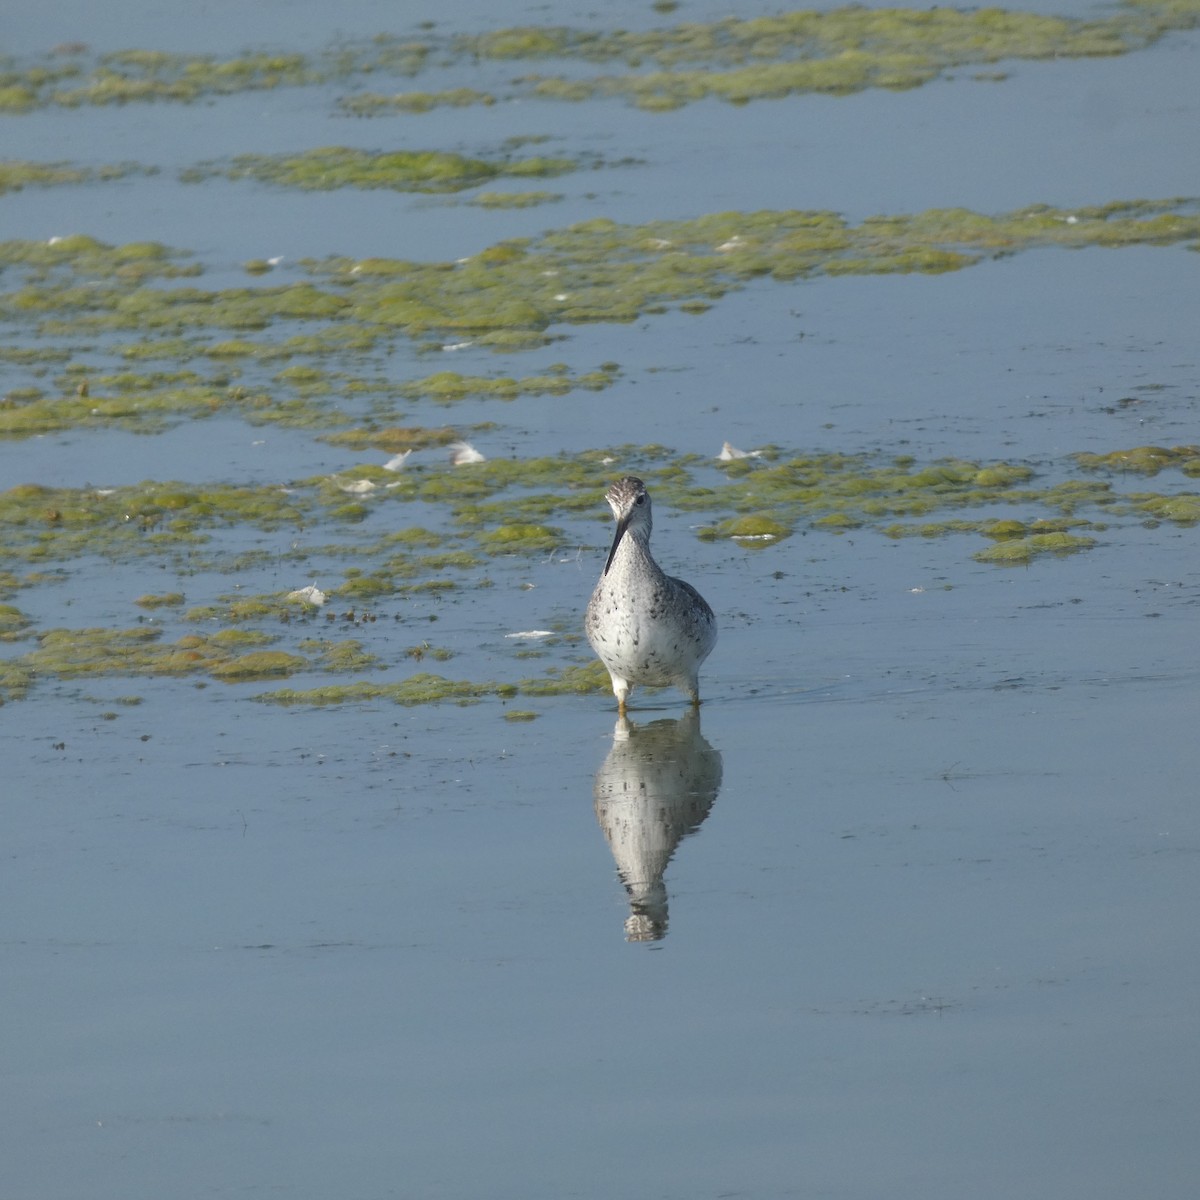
column 912, row 911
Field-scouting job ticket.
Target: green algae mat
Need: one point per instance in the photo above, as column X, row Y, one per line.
column 82, row 319
column 738, row 60
column 493, row 515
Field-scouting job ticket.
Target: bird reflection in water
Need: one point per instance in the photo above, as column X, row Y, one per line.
column 656, row 786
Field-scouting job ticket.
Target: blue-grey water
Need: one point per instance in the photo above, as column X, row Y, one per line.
column 929, row 917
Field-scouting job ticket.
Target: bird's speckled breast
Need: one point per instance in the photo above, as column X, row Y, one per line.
column 638, row 629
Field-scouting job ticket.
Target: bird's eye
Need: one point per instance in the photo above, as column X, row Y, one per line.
column 642, row 498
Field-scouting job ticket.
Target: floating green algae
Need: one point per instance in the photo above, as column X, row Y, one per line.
column 70, row 653
column 583, row 680
column 15, row 174
column 162, row 600
column 556, row 380
column 331, row 167
column 1022, row 550
column 241, row 639
column 374, row 104
column 142, row 651
column 1184, row 510
column 510, row 505
column 520, row 537
column 16, row 678
column 422, row 688
column 340, row 657
column 13, row 622
column 753, row 528
column 502, row 507
column 1005, row 530
column 513, row 199
column 129, row 76
column 846, row 50
column 510, row 296
column 426, row 688
column 144, row 404
column 737, row 59
column 1144, row 460
column 393, row 439
column 39, row 524
column 261, row 664
column 80, row 257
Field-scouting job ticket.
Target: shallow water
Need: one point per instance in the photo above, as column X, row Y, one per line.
column 921, row 878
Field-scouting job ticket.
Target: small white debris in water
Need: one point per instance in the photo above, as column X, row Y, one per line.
column 274, row 262
column 916, row 591
column 462, row 453
column 457, row 345
column 531, row 633
column 753, row 537
column 560, row 297
column 1072, row 220
column 604, row 462
column 55, row 240
column 729, row 453
column 397, row 463
column 357, row 487
column 737, row 242
column 308, row 595
column 105, row 491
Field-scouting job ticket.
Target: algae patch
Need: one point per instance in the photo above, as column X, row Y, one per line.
column 1022, row 550
column 230, row 656
column 514, row 199
column 408, row 552
column 13, row 623
column 755, row 527
column 736, row 59
column 514, row 295
column 1144, row 460
column 16, row 174
column 262, row 664
column 422, row 688
column 331, row 167
column 557, row 380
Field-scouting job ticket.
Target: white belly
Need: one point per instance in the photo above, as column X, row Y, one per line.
column 654, row 636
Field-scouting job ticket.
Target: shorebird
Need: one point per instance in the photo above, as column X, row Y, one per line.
column 645, row 626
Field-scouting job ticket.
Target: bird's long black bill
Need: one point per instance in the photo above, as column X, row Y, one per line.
column 622, row 525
